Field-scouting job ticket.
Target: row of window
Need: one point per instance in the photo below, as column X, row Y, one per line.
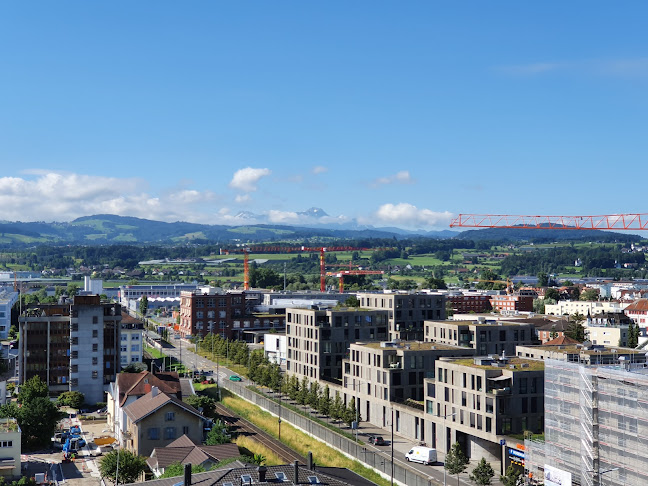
column 170, row 433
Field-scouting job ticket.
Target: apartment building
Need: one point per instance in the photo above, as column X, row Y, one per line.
column 129, row 293
column 131, row 341
column 318, row 340
column 72, row 346
column 467, row 302
column 480, row 401
column 508, row 304
column 7, row 299
column 586, row 354
column 485, row 337
column 638, row 311
column 407, row 311
column 379, row 374
column 10, row 449
column 569, row 307
column 596, row 424
column 211, row 310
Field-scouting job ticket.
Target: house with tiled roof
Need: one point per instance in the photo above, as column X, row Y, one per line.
column 129, row 387
column 562, row 341
column 184, row 451
column 638, row 311
column 157, row 420
column 286, row 474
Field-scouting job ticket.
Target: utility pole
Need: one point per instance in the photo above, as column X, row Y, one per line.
column 392, row 446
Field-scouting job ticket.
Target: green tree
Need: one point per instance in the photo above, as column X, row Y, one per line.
column 37, row 418
column 456, row 461
column 543, row 279
column 435, row 283
column 589, row 295
column 553, row 334
column 207, row 404
column 259, row 459
column 302, row 395
column 131, row 466
column 575, row 328
column 219, row 433
column 513, row 477
column 350, row 412
column 352, row 301
column 324, row 405
column 143, row 305
column 73, row 399
column 337, row 408
column 633, row 334
column 539, row 306
column 552, row 293
column 483, row 473
column 33, row 388
column 313, row 395
column 72, row 289
column 177, row 469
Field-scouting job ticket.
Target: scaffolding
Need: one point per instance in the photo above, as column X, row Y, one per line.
column 596, row 425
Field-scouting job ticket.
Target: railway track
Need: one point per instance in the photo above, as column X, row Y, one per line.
column 242, row 426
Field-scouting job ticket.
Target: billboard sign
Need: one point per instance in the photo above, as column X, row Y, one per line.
column 556, row 477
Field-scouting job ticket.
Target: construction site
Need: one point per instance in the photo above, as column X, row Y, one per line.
column 596, row 426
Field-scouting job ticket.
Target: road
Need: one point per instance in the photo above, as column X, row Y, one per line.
column 401, row 444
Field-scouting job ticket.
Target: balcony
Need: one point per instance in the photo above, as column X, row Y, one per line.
column 500, row 391
column 396, row 365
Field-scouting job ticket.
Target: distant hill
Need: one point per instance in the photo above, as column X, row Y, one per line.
column 101, row 229
column 538, row 235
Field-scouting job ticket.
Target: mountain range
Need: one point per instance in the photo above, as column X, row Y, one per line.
column 312, row 223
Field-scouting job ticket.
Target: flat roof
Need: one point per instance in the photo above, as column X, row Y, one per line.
column 488, row 323
column 413, row 346
column 533, row 364
column 575, row 348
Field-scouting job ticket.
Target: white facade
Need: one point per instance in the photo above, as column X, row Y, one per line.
column 568, row 307
column 130, row 346
column 274, row 348
column 93, row 285
column 7, row 299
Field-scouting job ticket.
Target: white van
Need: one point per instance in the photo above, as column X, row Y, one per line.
column 424, row 455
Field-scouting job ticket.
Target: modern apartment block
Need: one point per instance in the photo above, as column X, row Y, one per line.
column 485, row 337
column 406, row 311
column 7, row 299
column 585, row 354
column 379, row 374
column 318, row 340
column 596, row 425
column 211, row 310
column 72, row 346
column 131, row 341
column 480, row 401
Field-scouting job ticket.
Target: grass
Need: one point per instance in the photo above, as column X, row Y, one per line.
column 297, row 440
column 245, row 442
column 154, row 352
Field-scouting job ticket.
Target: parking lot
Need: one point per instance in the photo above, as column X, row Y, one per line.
column 83, row 471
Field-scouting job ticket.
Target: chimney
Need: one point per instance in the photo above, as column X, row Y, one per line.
column 187, row 475
column 154, row 391
column 261, row 470
column 296, row 472
column 311, row 464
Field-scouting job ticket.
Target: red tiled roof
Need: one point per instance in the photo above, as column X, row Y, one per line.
column 139, row 384
column 638, row 305
column 561, row 341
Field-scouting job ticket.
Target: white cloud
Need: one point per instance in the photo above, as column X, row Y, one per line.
column 405, row 214
column 402, row 177
column 57, row 196
column 246, row 179
column 319, row 169
column 242, row 198
column 283, row 217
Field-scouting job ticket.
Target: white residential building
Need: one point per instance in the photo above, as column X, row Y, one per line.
column 274, row 348
column 7, row 299
column 568, row 307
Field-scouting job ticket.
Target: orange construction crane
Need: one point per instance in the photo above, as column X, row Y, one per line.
column 290, row 249
column 629, row 222
column 341, row 275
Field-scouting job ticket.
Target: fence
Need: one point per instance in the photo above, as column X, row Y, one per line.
column 377, row 461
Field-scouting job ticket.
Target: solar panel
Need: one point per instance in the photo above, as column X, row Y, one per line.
column 229, row 483
column 246, row 479
column 281, row 476
column 313, row 480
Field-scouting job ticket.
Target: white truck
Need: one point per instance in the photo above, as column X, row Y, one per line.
column 424, row 455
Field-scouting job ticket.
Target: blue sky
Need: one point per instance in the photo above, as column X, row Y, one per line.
column 388, row 113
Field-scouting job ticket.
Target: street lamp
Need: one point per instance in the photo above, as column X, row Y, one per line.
column 446, row 444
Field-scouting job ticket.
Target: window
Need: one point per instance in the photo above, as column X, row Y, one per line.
column 135, row 347
column 6, row 443
column 153, row 433
column 124, row 337
column 185, row 430
column 95, row 361
column 95, row 333
column 95, row 347
column 124, row 349
column 95, row 374
column 170, row 416
column 170, row 433
column 95, row 320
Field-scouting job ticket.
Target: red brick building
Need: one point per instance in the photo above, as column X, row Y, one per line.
column 511, row 303
column 470, row 302
column 208, row 309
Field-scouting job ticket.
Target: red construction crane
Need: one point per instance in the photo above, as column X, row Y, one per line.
column 290, row 249
column 341, row 275
column 629, row 222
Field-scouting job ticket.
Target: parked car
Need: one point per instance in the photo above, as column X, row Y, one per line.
column 235, row 378
column 377, row 440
